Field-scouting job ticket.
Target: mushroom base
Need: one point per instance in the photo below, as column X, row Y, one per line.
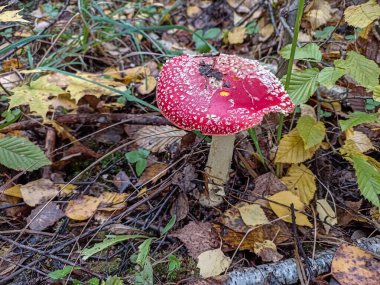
column 217, row 169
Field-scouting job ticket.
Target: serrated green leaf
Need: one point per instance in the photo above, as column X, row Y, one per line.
column 311, row 131
column 36, row 95
column 114, row 280
column 361, row 69
column 357, row 118
column 106, row 243
column 302, row 85
column 308, row 52
column 368, row 178
column 329, row 75
column 20, row 154
column 144, row 249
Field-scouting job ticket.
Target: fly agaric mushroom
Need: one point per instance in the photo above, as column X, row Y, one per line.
column 219, row 96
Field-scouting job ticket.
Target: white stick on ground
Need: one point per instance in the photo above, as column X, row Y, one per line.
column 285, row 272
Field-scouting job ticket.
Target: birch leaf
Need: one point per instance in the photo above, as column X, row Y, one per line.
column 212, row 263
column 11, row 16
column 361, row 16
column 311, row 131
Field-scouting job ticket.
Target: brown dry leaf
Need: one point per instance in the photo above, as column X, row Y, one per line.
column 9, row 80
column 307, row 110
column 280, row 204
column 64, row 101
column 44, row 216
column 193, row 10
column 318, row 13
column 354, row 266
column 18, row 212
column 212, row 263
column 82, row 208
column 267, row 184
column 11, row 64
column 120, row 229
column 158, row 138
column 236, row 35
column 9, row 260
column 253, row 215
column 347, row 216
column 267, row 250
column 266, row 32
column 111, row 201
column 153, row 172
column 180, row 207
column 121, row 181
column 14, row 191
column 197, row 237
column 38, row 192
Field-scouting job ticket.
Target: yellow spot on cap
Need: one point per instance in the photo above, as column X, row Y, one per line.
column 224, row 93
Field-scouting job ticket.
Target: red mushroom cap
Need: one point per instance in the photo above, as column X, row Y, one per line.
column 218, row 95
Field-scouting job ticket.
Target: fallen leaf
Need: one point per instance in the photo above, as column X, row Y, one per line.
column 147, row 85
column 35, row 95
column 212, row 263
column 111, row 201
column 266, row 32
column 267, row 250
column 362, row 15
column 197, row 237
column 301, row 181
column 236, row 35
column 307, row 110
column 354, row 266
column 193, row 10
column 318, row 13
column 158, row 138
column 153, row 173
column 66, row 189
column 311, row 131
column 38, row 192
column 326, row 214
column 253, row 215
column 292, row 149
column 82, row 208
column 9, row 80
column 180, row 207
column 11, row 16
column 267, row 184
column 44, row 216
column 357, row 142
column 14, row 191
column 121, row 181
column 280, row 204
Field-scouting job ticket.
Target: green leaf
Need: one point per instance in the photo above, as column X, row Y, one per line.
column 144, row 249
column 174, row 264
column 308, row 52
column 114, row 280
column 329, row 75
column 93, row 281
column 364, row 71
column 252, row 28
column 357, row 118
column 311, row 131
column 139, row 157
column 169, row 225
column 212, row 33
column 20, row 154
column 368, row 178
column 145, row 277
column 302, row 85
column 376, row 93
column 109, row 241
column 325, row 33
column 62, row 273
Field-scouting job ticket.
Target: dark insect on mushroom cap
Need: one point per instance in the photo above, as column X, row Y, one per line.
column 218, row 95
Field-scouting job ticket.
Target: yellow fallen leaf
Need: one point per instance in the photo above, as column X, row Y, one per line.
column 66, row 189
column 82, row 208
column 363, row 15
column 14, row 191
column 147, row 85
column 292, row 149
column 307, row 110
column 253, row 215
column 357, row 141
column 193, row 10
column 280, row 204
column 111, row 201
column 11, row 16
column 236, row 35
column 212, row 263
column 266, row 32
column 301, row 181
column 267, row 250
column 326, row 214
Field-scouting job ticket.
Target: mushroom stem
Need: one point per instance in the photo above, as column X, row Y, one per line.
column 218, row 166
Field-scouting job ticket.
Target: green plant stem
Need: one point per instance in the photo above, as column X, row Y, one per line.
column 290, row 67
column 252, row 133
